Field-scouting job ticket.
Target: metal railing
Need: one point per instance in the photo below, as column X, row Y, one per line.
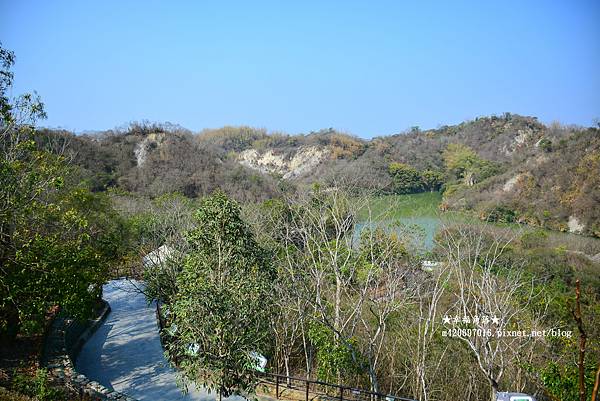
column 315, row 389
column 312, row 389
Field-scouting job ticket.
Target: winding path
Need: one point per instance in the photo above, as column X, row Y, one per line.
column 125, row 353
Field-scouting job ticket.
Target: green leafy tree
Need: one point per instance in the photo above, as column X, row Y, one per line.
column 221, row 311
column 462, row 163
column 406, row 179
column 335, row 358
column 56, row 238
column 562, row 380
column 432, row 180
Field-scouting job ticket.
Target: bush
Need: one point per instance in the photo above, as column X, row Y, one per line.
column 406, row 179
column 545, row 145
column 37, row 386
column 501, row 214
column 534, row 239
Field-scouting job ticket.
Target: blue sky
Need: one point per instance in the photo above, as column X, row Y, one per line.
column 369, row 68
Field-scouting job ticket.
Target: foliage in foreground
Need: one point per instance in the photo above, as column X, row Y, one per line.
column 56, row 237
column 37, row 386
column 220, row 313
column 360, row 310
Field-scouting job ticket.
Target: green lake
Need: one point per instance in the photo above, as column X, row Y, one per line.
column 420, row 214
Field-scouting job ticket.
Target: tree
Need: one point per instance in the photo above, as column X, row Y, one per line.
column 490, row 298
column 222, row 309
column 351, row 280
column 384, row 265
column 462, row 163
column 432, row 180
column 157, row 229
column 406, row 179
column 318, row 258
column 429, row 293
column 290, row 320
column 56, row 238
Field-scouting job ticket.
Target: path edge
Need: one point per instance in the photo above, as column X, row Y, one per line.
column 59, row 356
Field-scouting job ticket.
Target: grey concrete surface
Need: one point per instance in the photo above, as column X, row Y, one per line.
column 125, row 353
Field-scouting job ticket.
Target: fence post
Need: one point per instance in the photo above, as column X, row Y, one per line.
column 277, row 387
column 307, row 383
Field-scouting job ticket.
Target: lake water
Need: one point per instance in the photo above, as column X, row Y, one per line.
column 421, row 228
column 419, row 215
column 416, row 214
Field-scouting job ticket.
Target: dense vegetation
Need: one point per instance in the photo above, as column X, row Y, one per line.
column 362, row 310
column 316, row 272
column 57, row 237
column 509, row 168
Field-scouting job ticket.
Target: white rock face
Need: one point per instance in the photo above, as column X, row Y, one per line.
column 158, row 256
column 142, row 148
column 141, row 152
column 521, row 140
column 575, row 226
column 510, row 184
column 289, row 166
column 521, row 137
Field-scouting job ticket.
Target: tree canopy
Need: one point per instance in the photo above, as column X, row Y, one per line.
column 221, row 310
column 56, row 237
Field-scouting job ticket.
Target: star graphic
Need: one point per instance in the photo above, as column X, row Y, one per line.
column 496, row 320
column 446, row 320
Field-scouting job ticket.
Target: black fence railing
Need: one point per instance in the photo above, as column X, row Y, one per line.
column 315, row 389
column 311, row 389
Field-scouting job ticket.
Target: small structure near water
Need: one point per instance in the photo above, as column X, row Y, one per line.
column 158, row 256
column 507, row 396
column 430, row 265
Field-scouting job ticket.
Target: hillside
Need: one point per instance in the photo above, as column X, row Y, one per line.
column 153, row 160
column 506, row 168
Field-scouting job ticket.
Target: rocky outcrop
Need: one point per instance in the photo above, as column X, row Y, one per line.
column 510, row 184
column 575, row 226
column 290, row 165
column 150, row 142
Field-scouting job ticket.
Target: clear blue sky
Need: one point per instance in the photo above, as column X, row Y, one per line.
column 369, row 68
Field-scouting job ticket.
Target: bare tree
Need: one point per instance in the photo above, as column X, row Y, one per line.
column 582, row 341
column 489, row 298
column 384, row 290
column 352, row 277
column 288, row 324
column 429, row 292
column 161, row 245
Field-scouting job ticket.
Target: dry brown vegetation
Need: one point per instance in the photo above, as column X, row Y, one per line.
column 555, row 169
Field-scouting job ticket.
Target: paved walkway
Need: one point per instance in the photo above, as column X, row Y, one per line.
column 125, row 353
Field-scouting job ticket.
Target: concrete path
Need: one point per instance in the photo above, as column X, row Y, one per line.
column 125, row 353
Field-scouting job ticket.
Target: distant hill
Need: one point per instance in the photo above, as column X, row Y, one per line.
column 513, row 167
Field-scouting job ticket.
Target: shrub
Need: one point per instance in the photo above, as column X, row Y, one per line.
column 534, row 239
column 501, row 214
column 37, row 386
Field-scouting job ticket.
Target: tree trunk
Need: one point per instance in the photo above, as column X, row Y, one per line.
column 286, row 361
column 338, row 318
column 582, row 341
column 307, row 354
column 596, row 384
column 10, row 315
column 493, row 389
column 338, row 305
column 374, row 382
